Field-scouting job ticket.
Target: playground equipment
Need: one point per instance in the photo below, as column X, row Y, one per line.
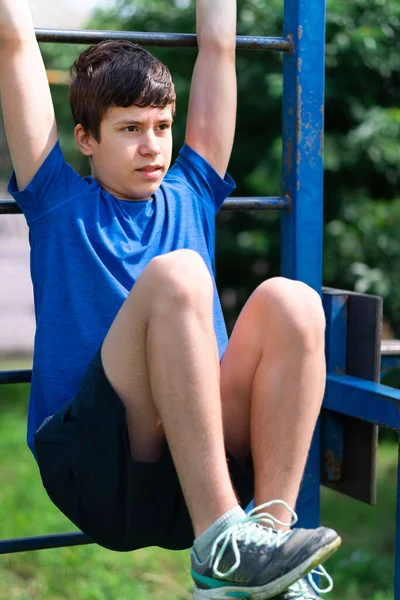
column 343, row 453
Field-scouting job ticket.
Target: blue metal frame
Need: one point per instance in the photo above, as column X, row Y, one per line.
column 302, row 179
column 336, row 346
column 302, row 234
column 303, row 127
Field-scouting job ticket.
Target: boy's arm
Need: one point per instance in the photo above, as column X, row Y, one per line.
column 25, row 93
column 213, row 97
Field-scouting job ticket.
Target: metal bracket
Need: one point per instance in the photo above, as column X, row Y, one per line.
column 353, row 342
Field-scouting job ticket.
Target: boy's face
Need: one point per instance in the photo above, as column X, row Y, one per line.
column 134, row 152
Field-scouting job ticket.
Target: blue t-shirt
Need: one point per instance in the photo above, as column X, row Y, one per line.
column 87, row 250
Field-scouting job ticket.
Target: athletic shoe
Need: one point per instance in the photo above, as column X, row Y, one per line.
column 252, row 560
column 306, row 588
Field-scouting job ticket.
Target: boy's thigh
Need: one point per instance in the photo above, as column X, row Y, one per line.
column 87, row 469
column 124, row 359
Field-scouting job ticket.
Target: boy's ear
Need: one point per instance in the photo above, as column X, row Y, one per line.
column 84, row 140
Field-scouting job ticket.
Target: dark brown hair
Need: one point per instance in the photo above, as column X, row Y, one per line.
column 116, row 73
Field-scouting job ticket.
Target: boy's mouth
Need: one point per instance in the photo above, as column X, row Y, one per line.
column 150, row 168
column 151, row 171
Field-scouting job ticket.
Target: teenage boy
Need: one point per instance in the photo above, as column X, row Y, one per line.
column 149, row 427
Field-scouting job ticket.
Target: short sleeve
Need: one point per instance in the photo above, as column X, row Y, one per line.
column 203, row 178
column 54, row 184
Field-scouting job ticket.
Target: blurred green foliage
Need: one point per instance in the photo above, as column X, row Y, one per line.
column 362, row 151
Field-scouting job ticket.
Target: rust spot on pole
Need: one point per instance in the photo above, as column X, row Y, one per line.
column 321, row 143
column 333, row 466
column 288, row 162
column 299, row 64
column 299, row 91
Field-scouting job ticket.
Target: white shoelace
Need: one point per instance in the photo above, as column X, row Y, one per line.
column 250, row 531
column 300, row 591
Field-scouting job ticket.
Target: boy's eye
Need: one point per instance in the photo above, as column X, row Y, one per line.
column 131, row 128
column 163, row 126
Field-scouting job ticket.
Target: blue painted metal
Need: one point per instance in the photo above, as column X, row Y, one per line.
column 303, row 123
column 44, row 542
column 10, row 207
column 397, row 555
column 332, row 429
column 308, row 502
column 365, row 400
column 177, row 40
column 302, row 179
column 388, row 363
column 335, row 308
column 8, row 377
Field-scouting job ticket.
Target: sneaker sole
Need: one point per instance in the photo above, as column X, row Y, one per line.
column 274, row 588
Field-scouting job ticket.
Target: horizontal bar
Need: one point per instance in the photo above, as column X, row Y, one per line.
column 43, row 542
column 182, row 40
column 10, row 207
column 390, row 347
column 15, row 376
column 362, row 399
column 258, row 203
column 390, row 361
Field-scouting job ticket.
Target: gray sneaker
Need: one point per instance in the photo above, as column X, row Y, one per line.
column 252, row 560
column 306, row 588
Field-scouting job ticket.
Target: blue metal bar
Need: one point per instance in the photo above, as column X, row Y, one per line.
column 303, row 123
column 336, row 332
column 177, row 40
column 389, row 362
column 283, row 203
column 23, row 376
column 397, row 552
column 365, row 400
column 332, row 433
column 308, row 502
column 43, row 542
column 302, row 177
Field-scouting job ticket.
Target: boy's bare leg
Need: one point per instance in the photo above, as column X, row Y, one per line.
column 160, row 356
column 272, row 384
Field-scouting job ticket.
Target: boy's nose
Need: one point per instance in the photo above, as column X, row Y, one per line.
column 151, row 146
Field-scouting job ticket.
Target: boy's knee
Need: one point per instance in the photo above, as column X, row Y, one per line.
column 299, row 307
column 181, row 279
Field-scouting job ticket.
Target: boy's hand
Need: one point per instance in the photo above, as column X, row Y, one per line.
column 213, row 98
column 25, row 94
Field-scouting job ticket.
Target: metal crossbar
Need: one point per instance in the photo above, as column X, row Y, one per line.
column 10, row 207
column 15, row 376
column 177, row 40
column 44, row 542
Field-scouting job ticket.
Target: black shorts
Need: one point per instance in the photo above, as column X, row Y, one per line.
column 89, row 474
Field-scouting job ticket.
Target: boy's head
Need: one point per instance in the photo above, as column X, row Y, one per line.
column 123, row 102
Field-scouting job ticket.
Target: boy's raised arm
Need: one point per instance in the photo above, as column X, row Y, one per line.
column 25, row 94
column 213, row 98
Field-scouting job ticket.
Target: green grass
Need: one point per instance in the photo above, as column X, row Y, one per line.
column 362, row 569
